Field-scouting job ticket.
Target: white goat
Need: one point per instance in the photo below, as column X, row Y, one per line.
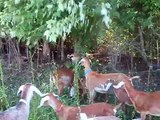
column 21, row 110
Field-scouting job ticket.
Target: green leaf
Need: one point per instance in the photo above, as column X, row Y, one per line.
column 17, row 1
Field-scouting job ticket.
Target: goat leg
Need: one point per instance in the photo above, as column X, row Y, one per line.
column 60, row 89
column 92, row 96
column 143, row 116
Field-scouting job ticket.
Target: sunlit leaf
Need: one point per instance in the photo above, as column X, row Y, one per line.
column 17, row 1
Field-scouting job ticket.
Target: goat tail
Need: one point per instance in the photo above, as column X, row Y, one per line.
column 117, row 107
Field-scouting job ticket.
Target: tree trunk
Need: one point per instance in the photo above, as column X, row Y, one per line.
column 158, row 58
column 9, row 53
column 27, row 53
column 38, row 57
column 1, row 47
column 132, row 66
column 18, row 55
column 62, row 50
column 142, row 46
column 46, row 53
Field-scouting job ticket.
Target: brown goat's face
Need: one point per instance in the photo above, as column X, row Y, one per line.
column 44, row 101
column 48, row 100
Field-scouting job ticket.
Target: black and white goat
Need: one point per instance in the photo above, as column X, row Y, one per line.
column 22, row 109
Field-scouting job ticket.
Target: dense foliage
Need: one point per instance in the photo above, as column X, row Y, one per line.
column 130, row 27
column 130, row 22
column 47, row 19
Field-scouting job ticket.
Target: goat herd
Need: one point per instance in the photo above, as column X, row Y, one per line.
column 144, row 103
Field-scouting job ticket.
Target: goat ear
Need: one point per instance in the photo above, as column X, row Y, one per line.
column 20, row 89
column 43, row 100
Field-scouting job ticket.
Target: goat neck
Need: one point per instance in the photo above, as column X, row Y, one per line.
column 52, row 101
column 59, row 106
column 130, row 90
column 87, row 66
column 88, row 71
column 132, row 93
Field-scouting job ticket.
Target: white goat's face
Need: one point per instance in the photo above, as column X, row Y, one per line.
column 27, row 91
column 20, row 89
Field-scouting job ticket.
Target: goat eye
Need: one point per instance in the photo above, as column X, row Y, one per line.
column 19, row 93
column 46, row 103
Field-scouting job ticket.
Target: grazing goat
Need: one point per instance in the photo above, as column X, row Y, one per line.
column 120, row 93
column 21, row 110
column 62, row 78
column 65, row 112
column 93, row 79
column 83, row 116
column 146, row 103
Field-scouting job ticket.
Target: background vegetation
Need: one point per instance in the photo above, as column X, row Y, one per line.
column 33, row 33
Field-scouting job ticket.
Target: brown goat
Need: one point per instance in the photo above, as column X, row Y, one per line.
column 65, row 112
column 62, row 78
column 93, row 79
column 146, row 103
column 120, row 93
